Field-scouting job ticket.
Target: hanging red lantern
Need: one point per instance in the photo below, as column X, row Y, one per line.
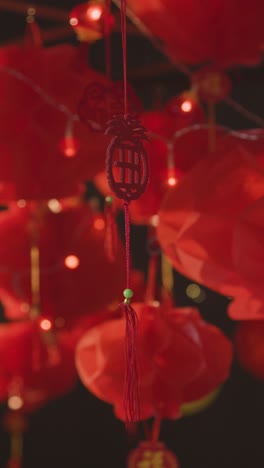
column 249, row 347
column 91, row 20
column 208, row 32
column 198, row 218
column 174, row 367
column 29, row 377
column 73, row 264
column 248, row 256
column 150, row 454
column 38, row 106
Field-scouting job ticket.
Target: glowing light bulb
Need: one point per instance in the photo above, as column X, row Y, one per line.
column 72, row 262
column 99, row 224
column 186, row 106
column 73, row 21
column 15, row 402
column 154, row 220
column 54, row 205
column 94, row 12
column 45, row 325
column 172, row 181
column 69, row 146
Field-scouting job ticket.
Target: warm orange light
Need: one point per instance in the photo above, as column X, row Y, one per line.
column 99, row 224
column 94, row 12
column 172, row 181
column 45, row 324
column 15, row 402
column 72, row 262
column 54, row 205
column 69, row 146
column 74, row 21
column 186, row 106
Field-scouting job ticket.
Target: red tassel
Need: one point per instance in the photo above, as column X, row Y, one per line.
column 131, row 392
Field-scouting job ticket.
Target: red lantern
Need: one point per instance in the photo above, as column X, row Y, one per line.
column 174, row 367
column 29, row 377
column 249, row 347
column 248, row 256
column 38, row 108
column 208, row 32
column 197, row 220
column 73, row 264
column 152, row 455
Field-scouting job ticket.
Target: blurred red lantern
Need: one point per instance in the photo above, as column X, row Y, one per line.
column 213, row 32
column 91, row 20
column 29, row 377
column 38, row 107
column 249, row 347
column 181, row 358
column 198, row 218
column 150, row 454
column 76, row 276
column 248, row 257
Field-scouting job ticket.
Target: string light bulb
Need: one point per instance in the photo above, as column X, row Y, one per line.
column 186, row 106
column 72, row 262
column 45, row 324
column 15, row 402
column 69, row 145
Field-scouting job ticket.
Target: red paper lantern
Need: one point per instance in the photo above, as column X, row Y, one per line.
column 151, row 455
column 197, row 220
column 39, row 108
column 174, row 367
column 249, row 347
column 248, row 257
column 207, row 32
column 76, row 276
column 29, row 375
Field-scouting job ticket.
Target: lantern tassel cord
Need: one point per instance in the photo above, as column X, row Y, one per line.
column 131, row 392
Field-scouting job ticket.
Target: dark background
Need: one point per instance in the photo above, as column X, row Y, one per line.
column 79, row 431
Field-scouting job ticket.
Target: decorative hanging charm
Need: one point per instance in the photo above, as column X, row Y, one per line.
column 152, row 455
column 127, row 155
column 99, row 103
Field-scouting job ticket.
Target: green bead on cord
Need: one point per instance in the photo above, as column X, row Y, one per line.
column 128, row 294
column 109, row 199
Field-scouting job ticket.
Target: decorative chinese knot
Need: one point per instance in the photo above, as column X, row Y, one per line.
column 100, row 102
column 149, row 455
column 127, row 174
